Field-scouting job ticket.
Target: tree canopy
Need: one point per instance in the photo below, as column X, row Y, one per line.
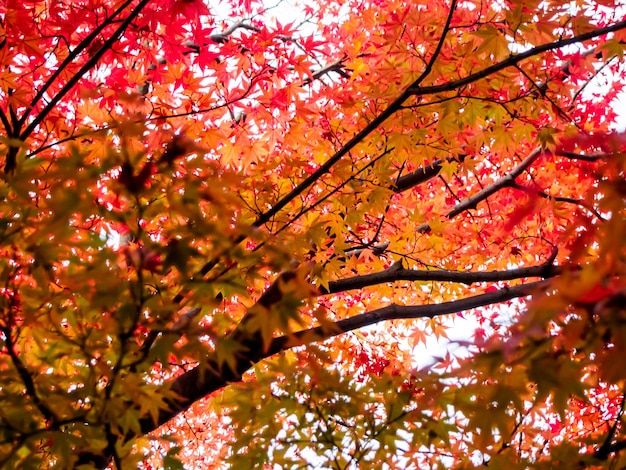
column 351, row 234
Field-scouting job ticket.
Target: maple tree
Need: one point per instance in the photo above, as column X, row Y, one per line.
column 227, row 238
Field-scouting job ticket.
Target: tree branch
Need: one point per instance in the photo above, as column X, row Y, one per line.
column 86, row 42
column 422, row 174
column 567, row 200
column 398, row 273
column 608, row 447
column 5, row 123
column 417, row 177
column 401, row 312
column 416, row 90
column 506, row 181
column 84, row 69
column 586, row 158
column 199, row 382
column 316, row 75
column 26, row 377
column 356, row 139
column 204, row 380
column 514, row 60
column 337, row 67
column 604, row 452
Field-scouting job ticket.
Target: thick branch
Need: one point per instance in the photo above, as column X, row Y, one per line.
column 422, row 174
column 202, row 381
column 594, row 157
column 337, row 67
column 398, row 273
column 198, row 383
column 402, row 312
column 270, row 297
column 27, row 379
column 377, row 249
column 419, row 176
column 191, row 388
column 605, row 451
column 223, row 36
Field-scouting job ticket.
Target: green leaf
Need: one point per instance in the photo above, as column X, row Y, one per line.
column 171, row 461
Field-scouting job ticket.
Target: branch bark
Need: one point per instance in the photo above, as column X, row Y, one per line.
column 198, row 383
column 423, row 174
column 403, row 312
column 398, row 273
column 204, row 380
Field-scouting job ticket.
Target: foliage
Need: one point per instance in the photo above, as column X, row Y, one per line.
column 229, row 239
